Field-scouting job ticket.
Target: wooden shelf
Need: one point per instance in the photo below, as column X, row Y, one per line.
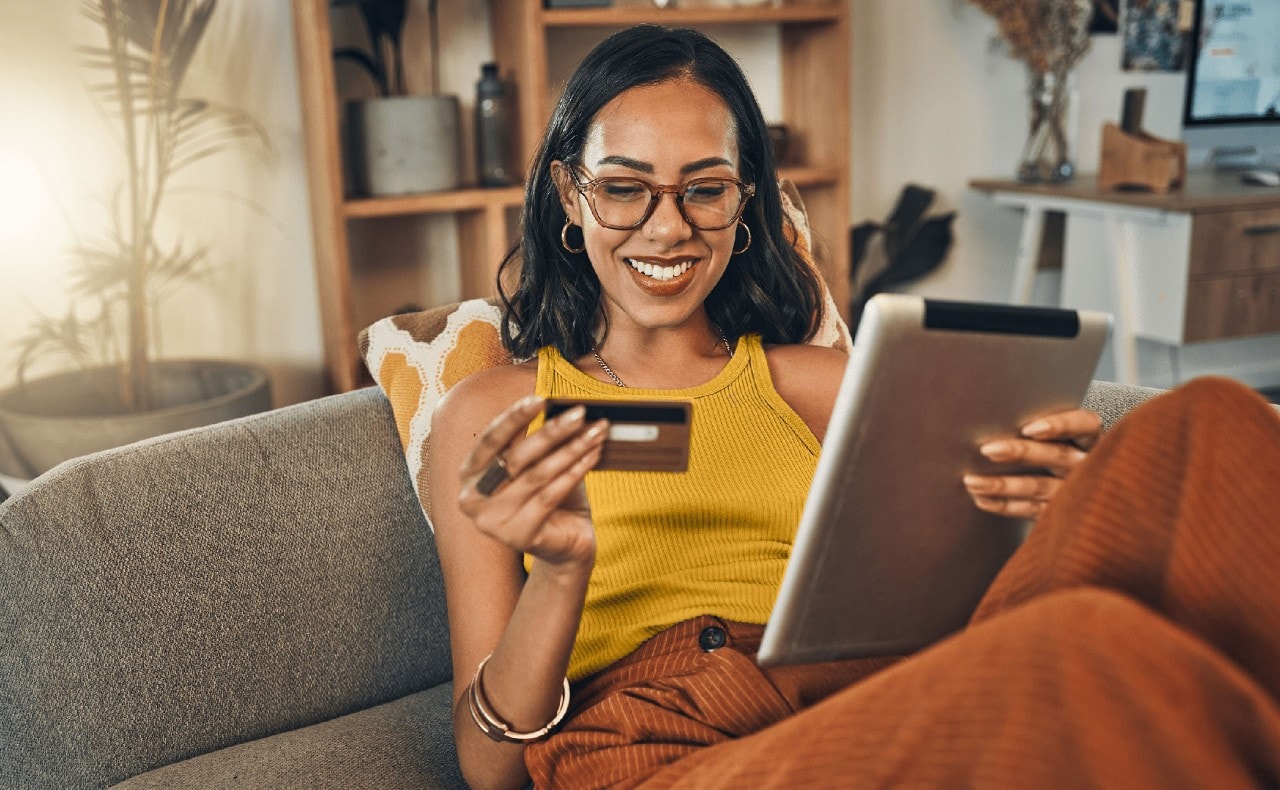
column 814, row 176
column 474, row 199
column 814, row 46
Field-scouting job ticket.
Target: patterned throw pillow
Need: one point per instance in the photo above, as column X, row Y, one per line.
column 416, row 357
column 832, row 330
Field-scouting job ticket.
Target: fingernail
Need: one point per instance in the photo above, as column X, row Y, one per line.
column 573, row 415
column 529, row 400
column 597, row 430
column 1037, row 428
column 975, row 482
column 995, row 449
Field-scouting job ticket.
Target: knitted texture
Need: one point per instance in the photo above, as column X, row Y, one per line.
column 714, row 539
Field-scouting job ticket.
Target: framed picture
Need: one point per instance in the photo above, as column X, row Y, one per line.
column 1154, row 36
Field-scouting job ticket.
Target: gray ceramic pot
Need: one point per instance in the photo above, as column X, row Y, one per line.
column 404, row 144
column 66, row 415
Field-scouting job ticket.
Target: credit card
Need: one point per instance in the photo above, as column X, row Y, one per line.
column 644, row 435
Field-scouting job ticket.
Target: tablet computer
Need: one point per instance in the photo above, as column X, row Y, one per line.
column 891, row 554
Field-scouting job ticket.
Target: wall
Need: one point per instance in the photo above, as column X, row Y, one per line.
column 935, row 103
column 59, row 165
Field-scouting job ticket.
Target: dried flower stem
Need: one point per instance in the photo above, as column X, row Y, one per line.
column 1049, row 35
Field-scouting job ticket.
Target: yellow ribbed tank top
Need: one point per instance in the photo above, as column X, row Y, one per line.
column 712, row 540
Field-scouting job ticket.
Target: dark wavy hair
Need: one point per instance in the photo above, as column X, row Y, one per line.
column 768, row 289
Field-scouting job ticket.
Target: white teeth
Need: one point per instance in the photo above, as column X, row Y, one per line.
column 660, row 272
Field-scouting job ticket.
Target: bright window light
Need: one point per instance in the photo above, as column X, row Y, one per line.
column 27, row 210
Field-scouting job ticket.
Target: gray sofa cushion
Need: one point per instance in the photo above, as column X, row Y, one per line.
column 209, row 593
column 402, row 745
column 209, row 588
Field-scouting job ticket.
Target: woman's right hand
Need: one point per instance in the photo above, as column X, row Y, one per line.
column 541, row 508
column 525, row 623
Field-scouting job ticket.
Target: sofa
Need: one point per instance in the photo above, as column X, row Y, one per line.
column 252, row 604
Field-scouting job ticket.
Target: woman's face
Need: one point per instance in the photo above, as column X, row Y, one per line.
column 667, row 133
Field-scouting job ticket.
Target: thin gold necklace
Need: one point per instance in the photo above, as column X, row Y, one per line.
column 608, row 371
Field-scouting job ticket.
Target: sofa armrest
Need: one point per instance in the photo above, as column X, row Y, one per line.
column 1112, row 401
column 211, row 587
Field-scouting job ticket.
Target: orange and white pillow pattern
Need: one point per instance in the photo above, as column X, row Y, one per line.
column 832, row 332
column 417, row 357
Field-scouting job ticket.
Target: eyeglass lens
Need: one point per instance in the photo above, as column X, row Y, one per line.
column 708, row 204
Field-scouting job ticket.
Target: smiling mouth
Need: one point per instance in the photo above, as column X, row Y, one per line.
column 659, row 272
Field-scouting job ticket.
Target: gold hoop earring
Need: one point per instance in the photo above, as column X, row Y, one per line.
column 564, row 238
column 743, row 225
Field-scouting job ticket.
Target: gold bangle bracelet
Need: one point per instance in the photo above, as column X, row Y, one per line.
column 499, row 730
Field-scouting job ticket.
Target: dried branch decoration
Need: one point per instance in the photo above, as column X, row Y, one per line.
column 1049, row 35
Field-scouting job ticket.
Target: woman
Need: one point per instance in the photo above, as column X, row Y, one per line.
column 653, row 263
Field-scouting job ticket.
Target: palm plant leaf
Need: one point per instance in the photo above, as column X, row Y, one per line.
column 384, row 20
column 370, row 64
column 194, row 20
column 71, row 336
column 101, row 58
column 102, row 267
column 49, row 335
column 136, row 73
column 180, row 24
column 201, row 129
column 101, row 270
column 177, row 264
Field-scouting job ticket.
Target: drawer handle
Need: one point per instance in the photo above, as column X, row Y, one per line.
column 1262, row 230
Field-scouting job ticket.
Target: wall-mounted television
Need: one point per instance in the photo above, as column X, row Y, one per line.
column 1231, row 116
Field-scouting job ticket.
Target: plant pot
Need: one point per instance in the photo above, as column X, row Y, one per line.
column 404, row 144
column 52, row 419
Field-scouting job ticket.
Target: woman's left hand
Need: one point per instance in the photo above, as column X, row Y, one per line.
column 1056, row 443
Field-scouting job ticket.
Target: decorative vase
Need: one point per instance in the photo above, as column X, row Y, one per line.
column 404, row 144
column 1045, row 158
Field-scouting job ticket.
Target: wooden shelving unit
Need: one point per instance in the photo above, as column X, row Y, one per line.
column 814, row 36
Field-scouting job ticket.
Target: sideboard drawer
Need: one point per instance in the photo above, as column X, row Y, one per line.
column 1237, row 306
column 1224, row 242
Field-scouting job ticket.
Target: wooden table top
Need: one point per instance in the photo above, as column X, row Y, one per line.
column 1204, row 191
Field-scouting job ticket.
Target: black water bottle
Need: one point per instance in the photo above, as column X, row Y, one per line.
column 491, row 129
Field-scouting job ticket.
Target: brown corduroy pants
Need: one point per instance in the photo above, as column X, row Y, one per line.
column 1133, row 641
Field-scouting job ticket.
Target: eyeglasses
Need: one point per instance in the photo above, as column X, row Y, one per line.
column 623, row 203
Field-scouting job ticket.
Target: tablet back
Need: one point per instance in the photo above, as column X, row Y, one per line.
column 891, row 553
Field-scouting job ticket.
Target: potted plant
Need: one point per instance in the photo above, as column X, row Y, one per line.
column 399, row 143
column 117, row 392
